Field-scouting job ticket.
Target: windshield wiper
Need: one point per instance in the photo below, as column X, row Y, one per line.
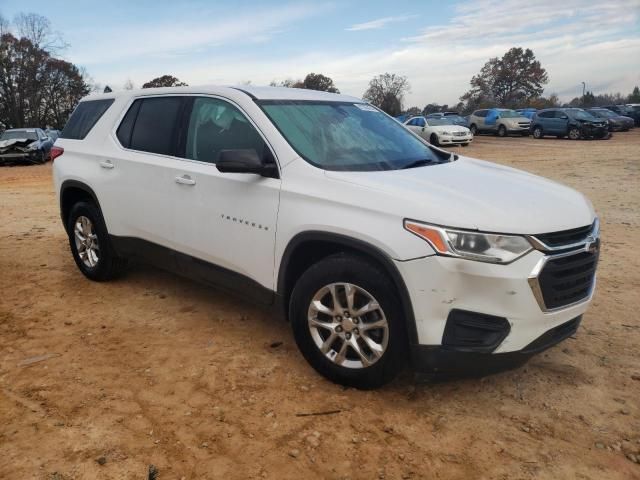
column 418, row 163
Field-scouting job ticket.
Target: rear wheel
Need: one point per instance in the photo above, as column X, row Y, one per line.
column 537, row 132
column 90, row 245
column 502, row 131
column 433, row 140
column 346, row 321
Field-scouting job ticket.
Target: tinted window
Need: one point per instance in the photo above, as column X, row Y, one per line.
column 481, row 113
column 347, row 136
column 420, row 122
column 547, row 114
column 412, row 122
column 126, row 127
column 84, row 117
column 215, row 125
column 154, row 129
column 560, row 114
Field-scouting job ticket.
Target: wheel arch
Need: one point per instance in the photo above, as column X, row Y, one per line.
column 71, row 192
column 308, row 248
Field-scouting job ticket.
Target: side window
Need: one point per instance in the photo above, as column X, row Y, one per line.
column 155, row 125
column 420, row 122
column 412, row 122
column 216, row 125
column 126, row 126
column 546, row 114
column 481, row 113
column 560, row 114
column 84, row 117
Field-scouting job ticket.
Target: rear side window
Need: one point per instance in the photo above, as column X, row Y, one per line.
column 84, row 117
column 547, row 114
column 481, row 113
column 154, row 129
column 126, row 127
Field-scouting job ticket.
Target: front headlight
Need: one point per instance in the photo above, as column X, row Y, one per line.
column 483, row 247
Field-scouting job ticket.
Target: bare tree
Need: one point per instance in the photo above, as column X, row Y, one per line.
column 387, row 92
column 37, row 29
column 4, row 25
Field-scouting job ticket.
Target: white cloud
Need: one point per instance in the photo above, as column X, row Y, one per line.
column 379, row 23
column 575, row 42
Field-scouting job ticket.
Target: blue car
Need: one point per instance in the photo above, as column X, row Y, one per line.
column 574, row 123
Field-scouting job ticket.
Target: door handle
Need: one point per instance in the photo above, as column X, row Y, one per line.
column 185, row 180
column 107, row 164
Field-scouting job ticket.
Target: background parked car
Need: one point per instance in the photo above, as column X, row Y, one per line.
column 575, row 123
column 30, row 145
column 527, row 112
column 455, row 117
column 500, row 121
column 617, row 122
column 626, row 111
column 440, row 131
column 634, row 112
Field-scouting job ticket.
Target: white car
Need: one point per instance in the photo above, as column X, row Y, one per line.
column 379, row 247
column 440, row 131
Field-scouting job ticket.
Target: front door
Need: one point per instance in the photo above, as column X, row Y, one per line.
column 225, row 219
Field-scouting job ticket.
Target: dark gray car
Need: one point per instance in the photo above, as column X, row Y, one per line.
column 617, row 122
column 24, row 145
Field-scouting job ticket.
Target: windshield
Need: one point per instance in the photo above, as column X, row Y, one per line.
column 441, row 121
column 602, row 113
column 347, row 136
column 582, row 115
column 509, row 114
column 11, row 134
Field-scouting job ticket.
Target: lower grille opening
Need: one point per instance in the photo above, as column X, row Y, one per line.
column 476, row 332
column 553, row 336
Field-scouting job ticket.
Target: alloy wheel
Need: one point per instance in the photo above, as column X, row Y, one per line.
column 86, row 242
column 347, row 325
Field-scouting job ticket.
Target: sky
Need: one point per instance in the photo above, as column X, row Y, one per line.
column 438, row 45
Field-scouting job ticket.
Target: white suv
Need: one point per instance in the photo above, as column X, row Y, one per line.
column 380, row 247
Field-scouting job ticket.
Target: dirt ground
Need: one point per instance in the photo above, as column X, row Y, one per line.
column 103, row 380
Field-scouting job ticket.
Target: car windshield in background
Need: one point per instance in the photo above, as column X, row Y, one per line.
column 603, row 113
column 347, row 136
column 509, row 114
column 441, row 121
column 582, row 115
column 21, row 134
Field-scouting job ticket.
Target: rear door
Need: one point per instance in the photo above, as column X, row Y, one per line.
column 561, row 122
column 142, row 170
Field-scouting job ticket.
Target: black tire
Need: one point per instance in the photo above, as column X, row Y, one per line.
column 474, row 129
column 108, row 265
column 502, row 131
column 537, row 132
column 574, row 133
column 465, row 144
column 343, row 268
column 433, row 140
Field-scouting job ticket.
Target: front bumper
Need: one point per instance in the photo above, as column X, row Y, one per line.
column 594, row 131
column 21, row 157
column 438, row 285
column 455, row 139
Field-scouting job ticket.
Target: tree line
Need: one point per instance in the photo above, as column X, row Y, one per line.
column 38, row 89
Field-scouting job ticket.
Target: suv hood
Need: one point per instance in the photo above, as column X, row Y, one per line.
column 473, row 194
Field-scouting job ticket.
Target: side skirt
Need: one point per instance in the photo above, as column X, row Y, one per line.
column 193, row 268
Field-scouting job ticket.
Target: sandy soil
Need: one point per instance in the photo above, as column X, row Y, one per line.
column 156, row 370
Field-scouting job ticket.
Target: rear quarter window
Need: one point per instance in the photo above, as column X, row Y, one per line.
column 84, row 117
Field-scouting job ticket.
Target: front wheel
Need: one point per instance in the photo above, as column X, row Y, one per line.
column 502, row 131
column 574, row 133
column 346, row 321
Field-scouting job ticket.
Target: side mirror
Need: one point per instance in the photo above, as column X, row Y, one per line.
column 245, row 161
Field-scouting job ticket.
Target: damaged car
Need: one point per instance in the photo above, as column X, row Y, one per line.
column 24, row 145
